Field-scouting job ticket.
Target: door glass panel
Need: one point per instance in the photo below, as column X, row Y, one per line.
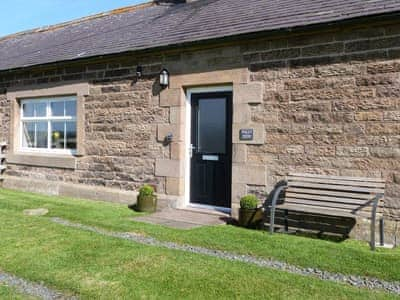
column 212, row 126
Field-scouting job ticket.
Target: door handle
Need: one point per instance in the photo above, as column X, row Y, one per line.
column 191, row 149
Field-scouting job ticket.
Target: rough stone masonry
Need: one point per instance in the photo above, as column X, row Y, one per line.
column 323, row 101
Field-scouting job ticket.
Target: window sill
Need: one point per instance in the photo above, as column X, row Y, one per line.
column 42, row 160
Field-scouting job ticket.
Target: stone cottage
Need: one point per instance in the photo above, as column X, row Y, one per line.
column 207, row 100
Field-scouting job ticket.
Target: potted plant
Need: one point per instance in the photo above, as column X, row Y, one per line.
column 250, row 215
column 146, row 200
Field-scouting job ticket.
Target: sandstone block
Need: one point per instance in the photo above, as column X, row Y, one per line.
column 169, row 168
column 238, row 191
column 172, row 97
column 239, row 153
column 391, row 116
column 321, row 150
column 248, row 93
column 383, row 67
column 369, row 116
column 177, row 130
column 175, row 186
column 385, row 152
column 177, row 115
column 339, row 69
column 321, row 50
column 177, row 151
column 249, row 174
column 352, row 151
column 241, row 113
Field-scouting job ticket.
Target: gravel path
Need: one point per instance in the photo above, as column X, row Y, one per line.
column 32, row 289
column 357, row 281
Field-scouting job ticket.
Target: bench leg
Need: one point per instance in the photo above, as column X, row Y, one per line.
column 277, row 192
column 375, row 202
column 286, row 220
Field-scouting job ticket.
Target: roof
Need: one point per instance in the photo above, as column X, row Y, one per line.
column 150, row 26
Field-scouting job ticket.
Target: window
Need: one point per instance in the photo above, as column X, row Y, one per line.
column 49, row 125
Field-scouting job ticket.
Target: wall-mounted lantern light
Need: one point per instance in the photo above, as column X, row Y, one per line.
column 139, row 71
column 164, row 78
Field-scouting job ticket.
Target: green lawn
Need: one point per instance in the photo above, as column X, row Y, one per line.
column 95, row 266
column 11, row 294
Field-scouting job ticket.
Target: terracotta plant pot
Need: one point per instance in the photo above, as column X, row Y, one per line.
column 250, row 218
column 146, row 204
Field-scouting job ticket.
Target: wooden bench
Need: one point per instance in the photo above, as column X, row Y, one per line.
column 330, row 195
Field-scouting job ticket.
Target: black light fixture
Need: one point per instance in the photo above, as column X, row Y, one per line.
column 164, row 78
column 139, row 71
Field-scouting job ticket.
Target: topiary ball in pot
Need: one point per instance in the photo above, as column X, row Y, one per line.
column 146, row 200
column 250, row 215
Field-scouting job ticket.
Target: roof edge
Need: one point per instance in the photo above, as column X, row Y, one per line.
column 232, row 38
column 80, row 20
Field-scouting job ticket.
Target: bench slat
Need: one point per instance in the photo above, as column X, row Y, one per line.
column 335, row 187
column 350, row 207
column 329, row 193
column 338, row 182
column 328, row 198
column 323, row 210
column 365, row 179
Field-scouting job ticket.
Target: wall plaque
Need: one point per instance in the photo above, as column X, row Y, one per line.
column 246, row 134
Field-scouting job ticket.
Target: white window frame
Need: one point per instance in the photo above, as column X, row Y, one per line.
column 48, row 118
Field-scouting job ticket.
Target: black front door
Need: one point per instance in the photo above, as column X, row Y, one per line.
column 210, row 177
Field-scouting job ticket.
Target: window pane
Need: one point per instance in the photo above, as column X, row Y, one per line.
column 57, row 135
column 71, row 135
column 212, row 125
column 57, row 108
column 70, row 108
column 40, row 109
column 41, row 134
column 28, row 135
column 28, row 110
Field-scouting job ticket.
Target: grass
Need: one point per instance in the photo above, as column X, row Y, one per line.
column 99, row 267
column 11, row 294
column 349, row 257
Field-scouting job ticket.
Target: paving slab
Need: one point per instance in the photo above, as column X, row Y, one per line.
column 183, row 219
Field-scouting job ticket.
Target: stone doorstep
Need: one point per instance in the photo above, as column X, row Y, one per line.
column 205, row 211
column 183, row 219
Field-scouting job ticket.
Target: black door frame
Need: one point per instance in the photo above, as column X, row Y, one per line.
column 229, row 119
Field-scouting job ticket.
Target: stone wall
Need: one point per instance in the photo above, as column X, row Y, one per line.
column 121, row 117
column 324, row 102
column 331, row 105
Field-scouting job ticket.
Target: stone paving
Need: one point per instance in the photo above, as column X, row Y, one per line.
column 184, row 219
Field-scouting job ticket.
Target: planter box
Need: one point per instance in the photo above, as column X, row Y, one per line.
column 146, row 204
column 250, row 218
